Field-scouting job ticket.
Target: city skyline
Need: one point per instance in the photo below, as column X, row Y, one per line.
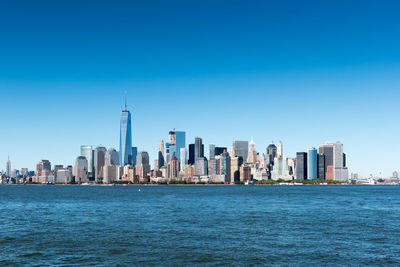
column 301, row 73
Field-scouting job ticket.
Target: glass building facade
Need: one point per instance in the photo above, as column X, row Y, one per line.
column 321, row 166
column 134, row 155
column 312, row 163
column 88, row 153
column 241, row 149
column 125, row 141
column 301, row 165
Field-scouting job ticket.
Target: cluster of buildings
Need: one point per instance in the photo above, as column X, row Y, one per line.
column 177, row 161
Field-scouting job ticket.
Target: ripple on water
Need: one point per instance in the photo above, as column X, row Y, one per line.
column 208, row 226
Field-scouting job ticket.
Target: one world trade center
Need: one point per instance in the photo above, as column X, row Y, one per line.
column 125, row 140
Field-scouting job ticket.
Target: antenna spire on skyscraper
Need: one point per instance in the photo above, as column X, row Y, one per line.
column 126, row 101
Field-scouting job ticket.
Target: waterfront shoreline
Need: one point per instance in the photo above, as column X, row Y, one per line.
column 221, row 185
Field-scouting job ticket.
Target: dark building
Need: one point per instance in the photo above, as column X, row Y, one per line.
column 321, row 166
column 344, row 160
column 191, row 154
column 219, row 150
column 327, row 150
column 134, row 155
column 301, row 165
column 160, row 159
column 198, row 148
column 271, row 153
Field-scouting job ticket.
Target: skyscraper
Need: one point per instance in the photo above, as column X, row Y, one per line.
column 173, row 168
column 235, row 164
column 161, row 147
column 321, row 166
column 225, row 167
column 201, row 166
column 219, row 150
column 334, row 161
column 252, row 158
column 8, row 167
column 87, row 152
column 312, row 163
column 184, row 158
column 191, row 154
column 176, row 140
column 99, row 161
column 212, row 151
column 279, row 150
column 125, row 141
column 327, row 151
column 143, row 164
column 81, row 170
column 301, row 165
column 271, row 154
column 198, row 148
column 134, row 155
column 111, row 157
column 241, row 149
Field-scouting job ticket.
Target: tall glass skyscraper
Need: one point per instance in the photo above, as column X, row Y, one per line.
column 125, row 141
column 301, row 165
column 88, row 153
column 176, row 140
column 312, row 163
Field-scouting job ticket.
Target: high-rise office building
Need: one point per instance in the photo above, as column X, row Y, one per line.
column 212, row 167
column 63, row 175
column 241, row 149
column 184, row 158
column 180, row 142
column 87, row 152
column 236, row 162
column 167, row 155
column 125, row 141
column 44, row 166
column 321, row 166
column 111, row 157
column 112, row 173
column 161, row 147
column 252, row 158
column 279, row 150
column 177, row 140
column 173, row 168
column 312, row 168
column 327, row 151
column 201, row 166
column 198, row 148
column 143, row 158
column 143, row 164
column 220, row 150
column 8, row 167
column 24, row 172
column 301, row 165
column 224, row 166
column 191, row 154
column 160, row 160
column 99, row 161
column 344, row 160
column 134, row 155
column 212, row 151
column 81, row 170
column 334, row 157
column 271, row 155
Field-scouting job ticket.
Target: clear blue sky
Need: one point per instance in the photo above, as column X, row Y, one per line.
column 304, row 72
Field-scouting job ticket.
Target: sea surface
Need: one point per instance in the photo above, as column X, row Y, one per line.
column 199, row 225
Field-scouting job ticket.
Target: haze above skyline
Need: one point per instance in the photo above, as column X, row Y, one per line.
column 304, row 73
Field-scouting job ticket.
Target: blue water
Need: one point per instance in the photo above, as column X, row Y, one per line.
column 204, row 225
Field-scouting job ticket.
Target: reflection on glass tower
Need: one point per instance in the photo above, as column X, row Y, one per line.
column 125, row 143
